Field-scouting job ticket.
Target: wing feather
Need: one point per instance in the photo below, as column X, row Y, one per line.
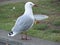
column 22, row 24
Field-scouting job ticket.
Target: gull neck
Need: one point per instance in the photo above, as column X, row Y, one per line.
column 28, row 10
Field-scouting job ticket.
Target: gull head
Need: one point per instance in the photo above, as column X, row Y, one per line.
column 29, row 5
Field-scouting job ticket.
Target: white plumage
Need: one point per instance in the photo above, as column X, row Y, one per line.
column 25, row 21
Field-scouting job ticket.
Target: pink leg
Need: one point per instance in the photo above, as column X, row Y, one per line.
column 24, row 36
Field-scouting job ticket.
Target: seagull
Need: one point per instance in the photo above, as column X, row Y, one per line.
column 24, row 22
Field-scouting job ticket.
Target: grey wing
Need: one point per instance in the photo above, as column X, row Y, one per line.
column 22, row 24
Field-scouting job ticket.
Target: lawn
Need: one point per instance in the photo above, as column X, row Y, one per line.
column 48, row 29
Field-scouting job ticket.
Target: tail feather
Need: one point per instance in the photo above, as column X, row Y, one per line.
column 11, row 34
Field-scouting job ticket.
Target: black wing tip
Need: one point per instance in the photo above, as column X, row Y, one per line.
column 11, row 33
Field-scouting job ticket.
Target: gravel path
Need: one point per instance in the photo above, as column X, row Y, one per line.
column 33, row 41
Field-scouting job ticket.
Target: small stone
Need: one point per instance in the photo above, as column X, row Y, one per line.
column 13, row 7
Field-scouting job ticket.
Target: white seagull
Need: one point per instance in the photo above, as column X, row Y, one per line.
column 24, row 22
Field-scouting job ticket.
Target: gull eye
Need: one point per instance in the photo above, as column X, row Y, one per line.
column 30, row 4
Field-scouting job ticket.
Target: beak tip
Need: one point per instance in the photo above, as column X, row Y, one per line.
column 35, row 5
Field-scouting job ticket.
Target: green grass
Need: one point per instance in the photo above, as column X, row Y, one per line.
column 8, row 17
column 40, row 26
column 56, row 23
column 6, row 24
column 46, row 34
